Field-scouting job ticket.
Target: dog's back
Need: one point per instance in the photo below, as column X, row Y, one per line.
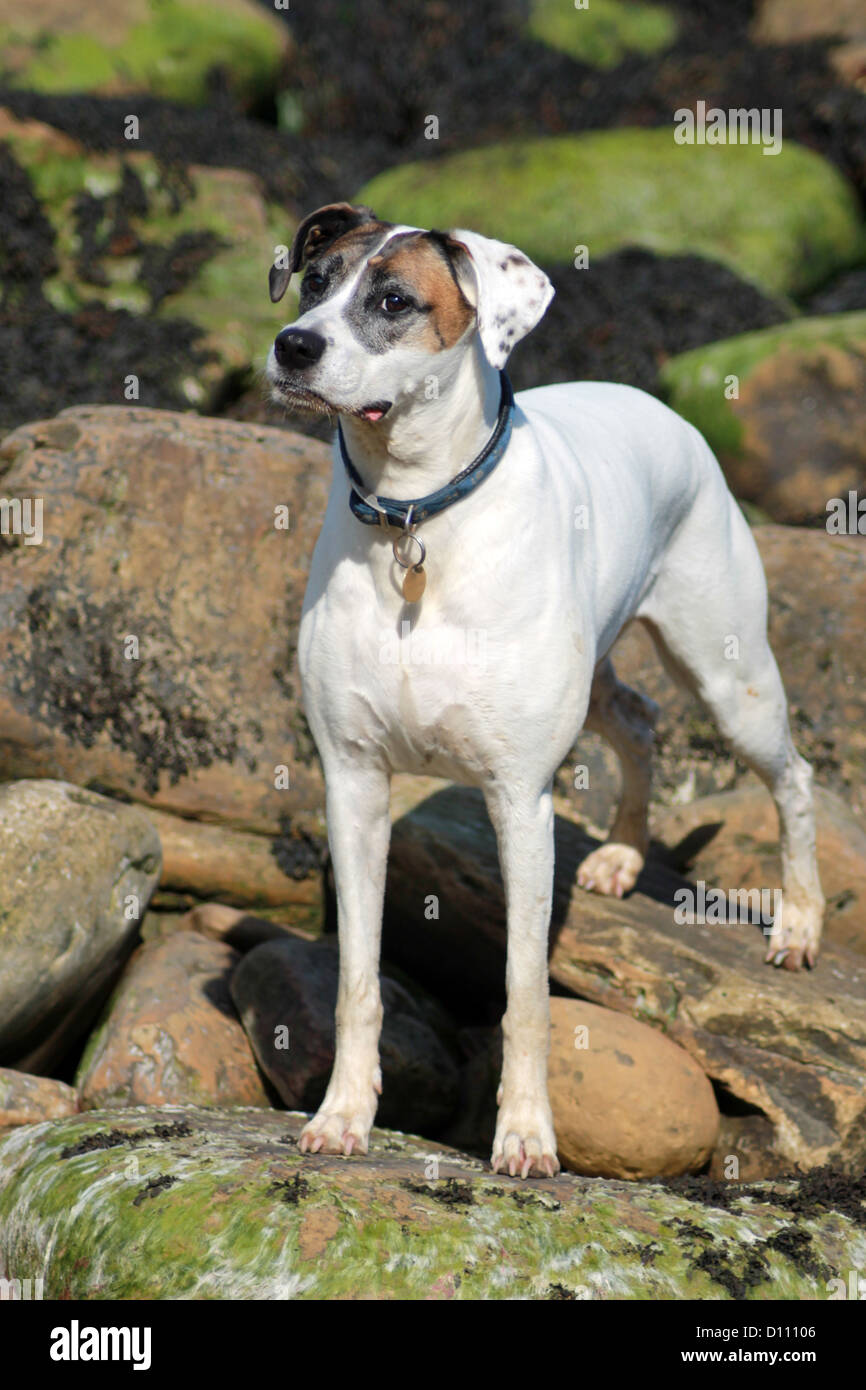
column 632, row 477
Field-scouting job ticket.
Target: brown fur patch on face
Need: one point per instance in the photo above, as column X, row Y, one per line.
column 353, row 245
column 424, row 266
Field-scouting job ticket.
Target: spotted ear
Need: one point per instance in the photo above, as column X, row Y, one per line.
column 508, row 292
column 315, row 234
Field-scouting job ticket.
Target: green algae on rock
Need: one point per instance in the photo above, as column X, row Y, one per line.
column 128, row 234
column 201, row 1204
column 782, row 407
column 633, row 187
column 604, row 32
column 166, row 47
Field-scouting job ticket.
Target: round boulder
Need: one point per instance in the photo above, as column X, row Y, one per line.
column 627, row 1102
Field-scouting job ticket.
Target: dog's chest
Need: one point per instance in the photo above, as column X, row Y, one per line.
column 406, row 680
column 439, row 687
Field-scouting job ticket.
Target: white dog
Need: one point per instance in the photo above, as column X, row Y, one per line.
column 544, row 525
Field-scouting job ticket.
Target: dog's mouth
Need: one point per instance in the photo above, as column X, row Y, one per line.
column 298, row 397
column 374, row 412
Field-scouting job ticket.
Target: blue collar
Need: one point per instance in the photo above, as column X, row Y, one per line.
column 392, row 512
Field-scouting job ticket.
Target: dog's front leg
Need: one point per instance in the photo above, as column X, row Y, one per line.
column 525, row 1142
column 359, row 828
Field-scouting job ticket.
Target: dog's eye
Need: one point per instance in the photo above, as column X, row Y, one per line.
column 314, row 281
column 394, row 304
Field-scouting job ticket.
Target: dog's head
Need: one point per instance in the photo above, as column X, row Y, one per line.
column 383, row 306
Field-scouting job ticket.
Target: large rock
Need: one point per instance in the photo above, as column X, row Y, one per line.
column 614, row 188
column 285, row 991
column 160, row 528
column 792, row 436
column 794, row 1055
column 122, row 233
column 213, row 861
column 168, row 49
column 787, row 1051
column 731, row 841
column 169, row 1035
column 817, row 585
column 100, row 1204
column 27, row 1100
column 841, row 24
column 627, row 1102
column 77, row 872
column 794, row 21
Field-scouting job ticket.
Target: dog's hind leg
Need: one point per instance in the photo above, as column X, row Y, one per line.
column 708, row 617
column 625, row 720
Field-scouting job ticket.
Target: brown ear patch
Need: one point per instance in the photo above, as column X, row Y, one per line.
column 425, row 266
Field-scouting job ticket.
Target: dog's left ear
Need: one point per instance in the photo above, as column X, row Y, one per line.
column 508, row 292
column 315, row 234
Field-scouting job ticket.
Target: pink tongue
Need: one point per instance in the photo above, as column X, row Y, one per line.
column 372, row 414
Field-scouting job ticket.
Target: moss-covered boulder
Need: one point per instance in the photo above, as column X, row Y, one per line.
column 603, row 32
column 188, row 1203
column 130, row 235
column 783, row 408
column 166, row 47
column 614, row 188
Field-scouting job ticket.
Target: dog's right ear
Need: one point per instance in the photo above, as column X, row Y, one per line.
column 314, row 235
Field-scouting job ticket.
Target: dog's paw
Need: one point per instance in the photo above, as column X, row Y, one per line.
column 338, row 1128
column 796, row 936
column 331, row 1132
column 524, row 1146
column 611, row 869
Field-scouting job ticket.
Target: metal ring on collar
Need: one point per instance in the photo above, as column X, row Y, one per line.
column 409, row 564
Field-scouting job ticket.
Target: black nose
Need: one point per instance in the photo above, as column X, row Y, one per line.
column 298, row 348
